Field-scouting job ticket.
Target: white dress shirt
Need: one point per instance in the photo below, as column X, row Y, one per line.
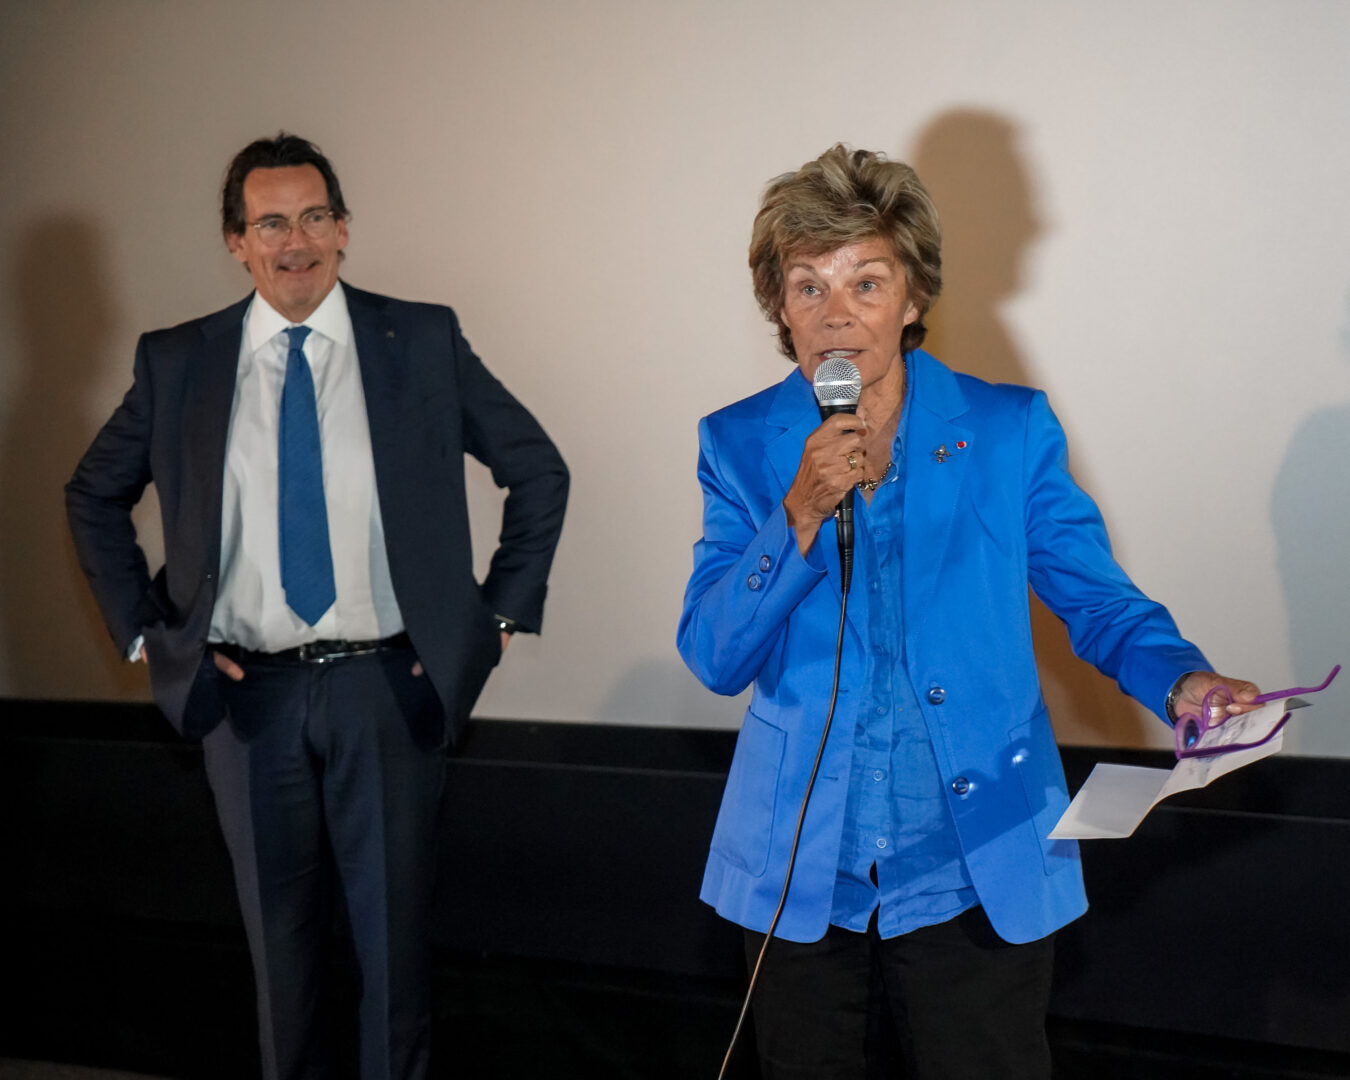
column 251, row 609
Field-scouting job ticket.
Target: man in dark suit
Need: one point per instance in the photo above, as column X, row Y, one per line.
column 317, row 622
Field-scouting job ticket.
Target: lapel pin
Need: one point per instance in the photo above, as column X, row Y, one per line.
column 961, row 445
column 388, row 333
column 941, row 454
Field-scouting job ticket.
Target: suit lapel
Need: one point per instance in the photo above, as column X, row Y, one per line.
column 208, row 402
column 938, row 451
column 795, row 415
column 379, row 352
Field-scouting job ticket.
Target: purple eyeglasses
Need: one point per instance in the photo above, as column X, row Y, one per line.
column 1189, row 728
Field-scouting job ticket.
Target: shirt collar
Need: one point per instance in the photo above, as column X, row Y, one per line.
column 331, row 319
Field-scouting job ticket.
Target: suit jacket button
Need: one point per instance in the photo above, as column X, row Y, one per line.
column 765, row 563
column 937, row 695
column 753, row 582
column 961, row 785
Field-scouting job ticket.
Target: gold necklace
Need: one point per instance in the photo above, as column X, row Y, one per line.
column 871, row 484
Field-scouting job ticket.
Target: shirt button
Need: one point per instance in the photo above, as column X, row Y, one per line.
column 937, row 695
column 881, row 841
column 765, row 563
column 881, row 710
column 876, row 586
column 753, row 582
column 878, row 775
column 961, row 785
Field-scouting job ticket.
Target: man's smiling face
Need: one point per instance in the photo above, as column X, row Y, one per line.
column 297, row 274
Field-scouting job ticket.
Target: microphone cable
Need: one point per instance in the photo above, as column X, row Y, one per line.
column 845, row 579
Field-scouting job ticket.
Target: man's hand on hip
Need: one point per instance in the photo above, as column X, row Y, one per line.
column 227, row 667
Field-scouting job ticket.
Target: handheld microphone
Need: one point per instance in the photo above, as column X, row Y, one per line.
column 838, row 385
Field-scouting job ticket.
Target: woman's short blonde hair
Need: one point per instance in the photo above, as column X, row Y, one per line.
column 842, row 197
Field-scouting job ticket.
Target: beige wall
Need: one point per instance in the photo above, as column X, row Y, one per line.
column 1148, row 214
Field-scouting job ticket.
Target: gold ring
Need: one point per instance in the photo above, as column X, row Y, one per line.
column 852, row 461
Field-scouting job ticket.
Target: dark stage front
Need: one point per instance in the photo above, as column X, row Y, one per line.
column 570, row 941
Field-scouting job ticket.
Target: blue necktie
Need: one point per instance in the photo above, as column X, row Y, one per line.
column 306, row 561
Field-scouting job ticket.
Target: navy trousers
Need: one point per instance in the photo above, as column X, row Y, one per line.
column 339, row 765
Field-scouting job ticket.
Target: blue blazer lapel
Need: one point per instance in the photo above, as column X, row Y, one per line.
column 935, row 472
column 791, row 417
column 795, row 415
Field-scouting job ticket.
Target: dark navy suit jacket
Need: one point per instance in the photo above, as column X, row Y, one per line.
column 429, row 400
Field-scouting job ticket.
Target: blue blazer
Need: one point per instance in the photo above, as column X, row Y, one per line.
column 1001, row 512
column 429, row 401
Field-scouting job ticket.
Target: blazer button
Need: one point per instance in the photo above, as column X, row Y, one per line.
column 765, row 563
column 937, row 695
column 961, row 785
column 753, row 582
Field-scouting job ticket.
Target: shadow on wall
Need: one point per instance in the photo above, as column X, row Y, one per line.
column 52, row 640
column 1310, row 514
column 970, row 162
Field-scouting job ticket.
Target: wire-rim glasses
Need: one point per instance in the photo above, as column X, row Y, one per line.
column 317, row 223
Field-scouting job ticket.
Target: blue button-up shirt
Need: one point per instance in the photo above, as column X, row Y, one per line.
column 896, row 818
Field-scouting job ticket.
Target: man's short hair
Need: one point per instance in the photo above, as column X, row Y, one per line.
column 281, row 152
column 843, row 197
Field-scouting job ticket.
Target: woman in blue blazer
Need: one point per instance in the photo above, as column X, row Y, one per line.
column 924, row 864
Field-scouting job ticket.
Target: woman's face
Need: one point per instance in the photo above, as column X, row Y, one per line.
column 851, row 302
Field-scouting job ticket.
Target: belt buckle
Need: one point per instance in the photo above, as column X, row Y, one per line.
column 324, row 652
column 319, row 652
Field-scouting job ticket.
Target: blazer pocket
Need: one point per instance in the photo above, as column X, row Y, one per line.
column 1035, row 757
column 744, row 829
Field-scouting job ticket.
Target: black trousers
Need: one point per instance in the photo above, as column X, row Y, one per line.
column 965, row 1004
column 315, row 767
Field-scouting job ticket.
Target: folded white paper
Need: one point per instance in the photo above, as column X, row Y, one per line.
column 1116, row 798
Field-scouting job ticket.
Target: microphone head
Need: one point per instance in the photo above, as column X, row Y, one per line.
column 838, row 384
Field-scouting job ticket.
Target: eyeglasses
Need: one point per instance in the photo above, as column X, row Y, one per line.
column 1189, row 728
column 317, row 224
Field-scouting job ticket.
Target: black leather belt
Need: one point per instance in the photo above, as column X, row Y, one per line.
column 312, row 652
